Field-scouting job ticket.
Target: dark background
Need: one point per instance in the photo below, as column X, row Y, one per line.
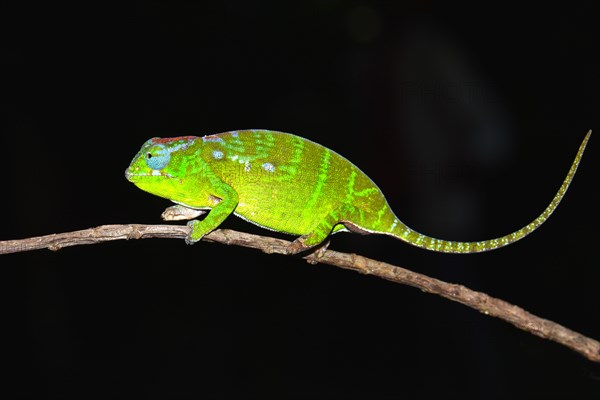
column 467, row 118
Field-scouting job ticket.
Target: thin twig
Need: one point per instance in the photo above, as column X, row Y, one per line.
column 488, row 305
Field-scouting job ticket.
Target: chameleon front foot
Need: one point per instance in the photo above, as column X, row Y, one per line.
column 196, row 234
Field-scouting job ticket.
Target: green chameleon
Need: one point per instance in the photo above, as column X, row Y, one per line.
column 287, row 184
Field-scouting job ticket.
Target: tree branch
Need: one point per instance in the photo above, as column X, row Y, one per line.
column 482, row 302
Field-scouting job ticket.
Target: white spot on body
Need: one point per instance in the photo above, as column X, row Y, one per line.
column 247, row 166
column 268, row 167
column 217, row 154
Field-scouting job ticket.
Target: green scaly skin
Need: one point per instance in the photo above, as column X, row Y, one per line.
column 287, row 184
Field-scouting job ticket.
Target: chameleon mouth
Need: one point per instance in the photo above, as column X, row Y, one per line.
column 130, row 175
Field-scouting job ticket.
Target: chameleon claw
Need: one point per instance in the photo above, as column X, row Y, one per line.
column 190, row 239
column 316, row 256
column 297, row 246
column 322, row 249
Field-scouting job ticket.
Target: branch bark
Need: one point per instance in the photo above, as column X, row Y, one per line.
column 482, row 302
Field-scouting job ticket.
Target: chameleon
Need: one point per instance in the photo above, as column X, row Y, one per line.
column 287, row 184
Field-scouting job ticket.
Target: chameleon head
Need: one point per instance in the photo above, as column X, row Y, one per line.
column 159, row 168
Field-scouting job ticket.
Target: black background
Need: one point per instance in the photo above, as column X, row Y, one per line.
column 467, row 118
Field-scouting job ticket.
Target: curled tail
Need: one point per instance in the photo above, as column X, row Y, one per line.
column 406, row 234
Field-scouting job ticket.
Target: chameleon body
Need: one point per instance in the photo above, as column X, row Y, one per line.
column 287, row 184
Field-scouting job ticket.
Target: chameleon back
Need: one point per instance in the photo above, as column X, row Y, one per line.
column 290, row 184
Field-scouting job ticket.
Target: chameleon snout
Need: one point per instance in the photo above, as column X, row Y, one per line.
column 131, row 173
column 128, row 174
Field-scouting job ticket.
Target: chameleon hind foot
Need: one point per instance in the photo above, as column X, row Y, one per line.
column 316, row 256
column 300, row 245
column 317, row 236
column 297, row 246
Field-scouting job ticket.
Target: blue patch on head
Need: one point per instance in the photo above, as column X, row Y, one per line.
column 268, row 167
column 158, row 158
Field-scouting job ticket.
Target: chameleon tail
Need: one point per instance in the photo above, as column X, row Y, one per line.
column 406, row 234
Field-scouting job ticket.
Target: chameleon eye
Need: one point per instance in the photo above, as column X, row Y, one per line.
column 159, row 159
